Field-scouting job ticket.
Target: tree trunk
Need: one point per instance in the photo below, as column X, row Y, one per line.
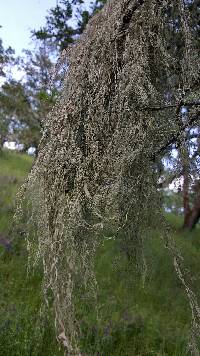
column 193, row 217
column 186, row 183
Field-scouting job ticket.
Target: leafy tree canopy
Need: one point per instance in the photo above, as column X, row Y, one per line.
column 66, row 21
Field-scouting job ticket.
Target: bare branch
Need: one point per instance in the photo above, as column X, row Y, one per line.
column 175, row 137
column 166, row 107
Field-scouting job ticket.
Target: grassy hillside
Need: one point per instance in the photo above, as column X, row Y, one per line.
column 137, row 318
column 13, row 170
column 21, row 329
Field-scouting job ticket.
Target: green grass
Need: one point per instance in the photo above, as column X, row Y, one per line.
column 135, row 318
column 24, row 329
column 144, row 319
column 13, row 170
column 14, row 164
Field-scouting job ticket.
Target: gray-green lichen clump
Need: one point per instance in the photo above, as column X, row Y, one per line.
column 97, row 161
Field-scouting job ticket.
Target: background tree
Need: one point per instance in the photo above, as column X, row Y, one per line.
column 6, row 61
column 26, row 102
column 38, row 68
column 6, row 58
column 186, row 164
column 66, row 21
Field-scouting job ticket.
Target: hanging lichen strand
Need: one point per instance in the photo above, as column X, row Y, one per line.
column 96, row 167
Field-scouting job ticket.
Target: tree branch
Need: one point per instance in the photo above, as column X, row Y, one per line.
column 174, row 138
column 175, row 106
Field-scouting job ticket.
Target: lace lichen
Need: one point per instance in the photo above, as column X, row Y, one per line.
column 96, row 165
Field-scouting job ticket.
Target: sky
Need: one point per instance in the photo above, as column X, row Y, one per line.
column 18, row 18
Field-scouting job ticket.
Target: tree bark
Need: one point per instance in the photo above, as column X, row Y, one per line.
column 193, row 218
column 186, row 202
column 184, row 155
column 194, row 215
column 191, row 214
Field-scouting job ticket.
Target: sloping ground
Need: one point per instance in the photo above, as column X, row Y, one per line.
column 20, row 333
column 138, row 317
column 13, row 169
